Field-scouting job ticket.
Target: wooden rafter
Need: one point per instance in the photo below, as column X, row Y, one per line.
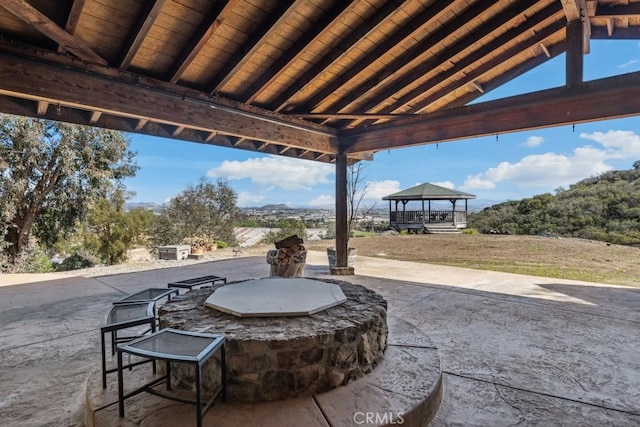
column 360, row 32
column 32, row 16
column 463, row 44
column 401, row 61
column 607, row 98
column 419, row 21
column 628, row 33
column 318, row 28
column 95, row 116
column 194, row 46
column 42, row 108
column 618, row 10
column 145, row 22
column 281, row 14
column 416, row 98
column 73, row 18
column 507, row 76
column 50, row 83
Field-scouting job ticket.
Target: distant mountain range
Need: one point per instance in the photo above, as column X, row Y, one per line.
column 474, row 206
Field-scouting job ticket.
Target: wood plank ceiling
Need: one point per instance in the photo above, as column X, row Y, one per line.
column 307, row 78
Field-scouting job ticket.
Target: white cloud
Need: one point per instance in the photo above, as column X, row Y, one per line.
column 276, row 171
column 618, row 144
column 376, row 190
column 628, row 63
column 323, row 201
column 543, row 170
column 553, row 170
column 476, row 182
column 446, row 184
column 249, row 199
column 533, row 141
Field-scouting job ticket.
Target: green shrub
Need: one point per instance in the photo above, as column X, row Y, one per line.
column 221, row 245
column 469, row 231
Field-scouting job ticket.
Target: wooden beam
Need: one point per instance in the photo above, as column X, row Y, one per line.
column 32, row 16
column 574, row 58
column 283, row 11
column 29, row 79
column 24, row 107
column 323, row 25
column 608, row 98
column 576, row 11
column 338, row 52
column 197, row 42
column 145, row 21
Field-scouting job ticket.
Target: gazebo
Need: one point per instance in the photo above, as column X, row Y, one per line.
column 428, row 220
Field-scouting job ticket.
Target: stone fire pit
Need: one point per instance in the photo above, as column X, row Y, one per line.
column 271, row 358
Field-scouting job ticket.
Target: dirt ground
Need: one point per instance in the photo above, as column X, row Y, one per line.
column 565, row 258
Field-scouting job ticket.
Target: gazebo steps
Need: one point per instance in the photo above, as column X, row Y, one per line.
column 441, row 229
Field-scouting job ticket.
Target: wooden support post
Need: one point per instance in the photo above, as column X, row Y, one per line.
column 341, row 267
column 574, row 64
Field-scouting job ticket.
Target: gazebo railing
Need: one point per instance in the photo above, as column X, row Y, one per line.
column 424, row 217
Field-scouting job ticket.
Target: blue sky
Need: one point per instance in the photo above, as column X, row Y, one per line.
column 510, row 167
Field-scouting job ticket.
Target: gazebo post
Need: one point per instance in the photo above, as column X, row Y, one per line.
column 453, row 213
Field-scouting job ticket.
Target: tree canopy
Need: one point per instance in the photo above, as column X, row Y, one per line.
column 606, row 207
column 51, row 172
column 205, row 211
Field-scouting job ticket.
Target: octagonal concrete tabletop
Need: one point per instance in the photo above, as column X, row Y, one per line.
column 276, row 296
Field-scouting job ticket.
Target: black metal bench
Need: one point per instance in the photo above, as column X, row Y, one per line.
column 197, row 281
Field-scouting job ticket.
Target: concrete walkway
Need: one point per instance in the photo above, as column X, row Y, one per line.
column 514, row 349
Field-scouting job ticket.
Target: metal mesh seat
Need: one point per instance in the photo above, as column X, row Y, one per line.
column 172, row 345
column 125, row 316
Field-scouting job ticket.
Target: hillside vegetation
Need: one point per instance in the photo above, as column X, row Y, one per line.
column 605, row 208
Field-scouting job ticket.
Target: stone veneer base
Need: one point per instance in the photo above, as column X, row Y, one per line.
column 273, row 358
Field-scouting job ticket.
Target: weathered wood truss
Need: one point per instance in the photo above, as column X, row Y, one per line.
column 307, row 78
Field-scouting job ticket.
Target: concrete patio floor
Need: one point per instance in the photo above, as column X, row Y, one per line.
column 514, row 349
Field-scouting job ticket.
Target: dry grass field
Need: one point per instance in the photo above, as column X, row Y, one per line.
column 565, row 258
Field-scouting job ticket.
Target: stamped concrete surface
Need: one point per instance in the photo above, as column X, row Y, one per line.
column 514, row 349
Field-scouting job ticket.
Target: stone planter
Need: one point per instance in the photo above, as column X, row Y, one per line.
column 352, row 253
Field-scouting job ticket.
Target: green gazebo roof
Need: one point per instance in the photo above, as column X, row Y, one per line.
column 428, row 191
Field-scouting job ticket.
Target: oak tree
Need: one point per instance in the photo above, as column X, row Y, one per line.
column 50, row 172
